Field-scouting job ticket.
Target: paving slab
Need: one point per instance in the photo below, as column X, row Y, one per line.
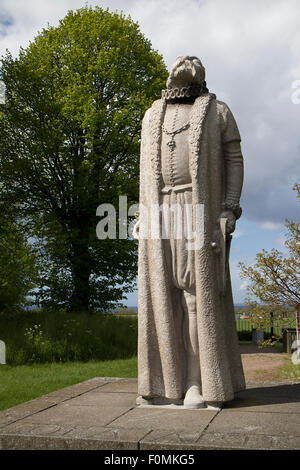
column 101, row 414
column 249, row 441
column 103, row 399
column 24, row 436
column 165, row 419
column 26, row 409
column 122, row 386
column 283, row 398
column 171, row 439
column 241, row 422
column 78, row 414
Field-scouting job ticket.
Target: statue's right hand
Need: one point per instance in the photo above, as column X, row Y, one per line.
column 231, row 220
column 136, row 230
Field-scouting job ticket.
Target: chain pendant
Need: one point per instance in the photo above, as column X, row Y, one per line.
column 171, row 144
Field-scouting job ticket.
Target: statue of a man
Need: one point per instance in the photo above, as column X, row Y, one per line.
column 190, row 158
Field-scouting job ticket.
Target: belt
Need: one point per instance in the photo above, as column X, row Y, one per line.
column 179, row 187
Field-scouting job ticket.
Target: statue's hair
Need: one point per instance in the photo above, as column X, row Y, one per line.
column 180, row 60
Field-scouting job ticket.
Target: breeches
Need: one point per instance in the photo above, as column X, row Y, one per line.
column 177, row 228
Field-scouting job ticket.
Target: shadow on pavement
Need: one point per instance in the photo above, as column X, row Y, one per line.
column 273, row 395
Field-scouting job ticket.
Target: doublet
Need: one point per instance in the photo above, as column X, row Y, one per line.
column 175, row 159
column 176, row 193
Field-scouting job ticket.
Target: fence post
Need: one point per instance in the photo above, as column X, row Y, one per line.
column 2, row 352
column 284, row 339
column 272, row 324
column 298, row 330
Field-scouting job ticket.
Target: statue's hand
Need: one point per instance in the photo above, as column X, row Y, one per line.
column 231, row 220
column 136, row 230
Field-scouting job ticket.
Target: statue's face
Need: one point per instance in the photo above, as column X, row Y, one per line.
column 186, row 71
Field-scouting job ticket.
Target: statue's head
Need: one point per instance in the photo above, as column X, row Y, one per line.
column 186, row 71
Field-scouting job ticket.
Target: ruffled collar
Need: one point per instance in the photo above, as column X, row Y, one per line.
column 190, row 92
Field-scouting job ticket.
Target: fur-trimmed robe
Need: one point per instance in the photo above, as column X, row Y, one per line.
column 160, row 343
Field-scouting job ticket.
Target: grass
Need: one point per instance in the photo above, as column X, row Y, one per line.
column 46, row 336
column 290, row 371
column 19, row 384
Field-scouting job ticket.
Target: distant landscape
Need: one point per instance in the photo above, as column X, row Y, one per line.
column 236, row 306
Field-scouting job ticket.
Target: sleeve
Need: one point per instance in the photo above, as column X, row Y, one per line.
column 234, row 165
column 229, row 128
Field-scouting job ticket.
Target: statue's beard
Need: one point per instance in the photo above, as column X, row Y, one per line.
column 185, row 74
column 182, row 76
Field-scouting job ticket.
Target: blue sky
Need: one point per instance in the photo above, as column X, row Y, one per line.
column 250, row 51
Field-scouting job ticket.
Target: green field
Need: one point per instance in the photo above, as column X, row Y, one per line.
column 39, row 337
column 22, row 383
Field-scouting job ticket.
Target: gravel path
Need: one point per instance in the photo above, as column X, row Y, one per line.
column 261, row 364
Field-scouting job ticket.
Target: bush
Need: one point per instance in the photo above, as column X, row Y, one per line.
column 245, row 335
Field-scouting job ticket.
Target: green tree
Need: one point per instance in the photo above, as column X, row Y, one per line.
column 69, row 141
column 274, row 280
column 17, row 265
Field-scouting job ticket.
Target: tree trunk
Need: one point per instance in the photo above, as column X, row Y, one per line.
column 81, row 268
column 81, row 288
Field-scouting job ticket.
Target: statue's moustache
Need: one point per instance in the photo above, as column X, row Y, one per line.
column 184, row 70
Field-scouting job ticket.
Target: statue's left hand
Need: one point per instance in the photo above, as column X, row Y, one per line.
column 231, row 220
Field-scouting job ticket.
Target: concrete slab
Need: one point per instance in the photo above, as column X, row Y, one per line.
column 268, row 423
column 61, row 437
column 232, row 441
column 26, row 409
column 171, row 439
column 102, row 399
column 101, row 414
column 122, row 386
column 258, row 406
column 165, row 419
column 283, row 398
column 78, row 415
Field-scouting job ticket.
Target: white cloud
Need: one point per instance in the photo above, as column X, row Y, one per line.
column 273, row 226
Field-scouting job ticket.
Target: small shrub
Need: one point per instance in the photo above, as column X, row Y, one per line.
column 245, row 335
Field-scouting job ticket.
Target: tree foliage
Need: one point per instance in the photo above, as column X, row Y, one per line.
column 274, row 280
column 69, row 141
column 17, row 266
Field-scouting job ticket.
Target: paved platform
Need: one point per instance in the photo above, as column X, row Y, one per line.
column 101, row 414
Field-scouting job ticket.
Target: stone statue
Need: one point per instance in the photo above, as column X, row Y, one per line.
column 191, row 158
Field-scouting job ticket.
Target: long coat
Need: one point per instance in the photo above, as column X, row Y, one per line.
column 160, row 343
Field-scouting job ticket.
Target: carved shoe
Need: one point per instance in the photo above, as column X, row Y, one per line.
column 145, row 401
column 214, row 405
column 193, row 398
